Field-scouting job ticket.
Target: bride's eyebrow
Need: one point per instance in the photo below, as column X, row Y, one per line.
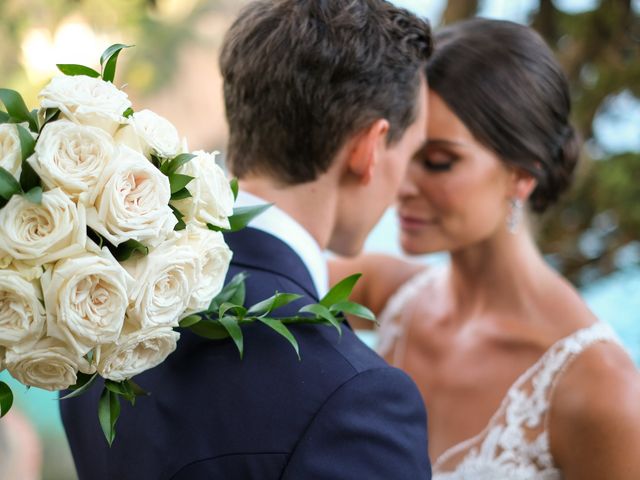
column 441, row 142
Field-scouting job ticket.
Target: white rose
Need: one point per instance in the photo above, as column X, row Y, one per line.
column 86, row 299
column 86, row 100
column 132, row 201
column 148, row 132
column 27, row 271
column 164, row 282
column 49, row 364
column 22, row 316
column 211, row 198
column 135, row 352
column 213, row 256
column 72, row 157
column 42, row 233
column 10, row 150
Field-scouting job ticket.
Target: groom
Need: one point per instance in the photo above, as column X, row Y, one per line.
column 326, row 105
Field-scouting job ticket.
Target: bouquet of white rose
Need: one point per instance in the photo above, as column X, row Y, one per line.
column 110, row 238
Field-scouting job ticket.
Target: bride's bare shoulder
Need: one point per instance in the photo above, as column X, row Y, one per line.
column 595, row 415
column 382, row 276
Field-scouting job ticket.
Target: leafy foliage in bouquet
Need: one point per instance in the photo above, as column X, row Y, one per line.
column 111, row 238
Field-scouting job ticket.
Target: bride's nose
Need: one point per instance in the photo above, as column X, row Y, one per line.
column 408, row 188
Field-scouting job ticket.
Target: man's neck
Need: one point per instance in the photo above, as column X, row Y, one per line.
column 312, row 204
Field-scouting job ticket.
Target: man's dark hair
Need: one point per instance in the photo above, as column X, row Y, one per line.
column 302, row 76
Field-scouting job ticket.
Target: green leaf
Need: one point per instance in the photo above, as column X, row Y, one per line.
column 116, row 387
column 180, row 226
column 324, row 313
column 341, row 291
column 109, row 59
column 126, row 249
column 172, row 166
column 17, row 109
column 34, row 195
column 238, row 310
column 209, row 329
column 9, row 186
column 4, row 117
column 234, row 187
column 28, row 177
column 232, row 292
column 239, row 295
column 108, row 413
column 243, row 215
column 155, row 160
column 98, row 239
column 180, row 194
column 128, row 393
column 189, row 321
column 281, row 329
column 137, row 390
column 235, row 332
column 178, row 181
column 73, row 69
column 128, row 112
column 83, row 382
column 48, row 115
column 127, row 388
column 179, row 216
column 278, row 300
column 27, row 142
column 352, row 308
column 6, row 399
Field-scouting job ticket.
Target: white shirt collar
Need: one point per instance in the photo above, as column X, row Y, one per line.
column 282, row 226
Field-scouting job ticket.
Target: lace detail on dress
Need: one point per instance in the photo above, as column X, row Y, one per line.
column 394, row 312
column 515, row 443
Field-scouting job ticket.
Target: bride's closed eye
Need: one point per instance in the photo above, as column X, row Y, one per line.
column 437, row 160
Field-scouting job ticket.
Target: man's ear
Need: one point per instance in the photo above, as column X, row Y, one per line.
column 366, row 148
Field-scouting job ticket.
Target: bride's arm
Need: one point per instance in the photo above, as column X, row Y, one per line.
column 595, row 417
column 382, row 275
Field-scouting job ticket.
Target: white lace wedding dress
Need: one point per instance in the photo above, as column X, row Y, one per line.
column 515, row 443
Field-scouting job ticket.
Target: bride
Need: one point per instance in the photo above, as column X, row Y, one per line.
column 520, row 380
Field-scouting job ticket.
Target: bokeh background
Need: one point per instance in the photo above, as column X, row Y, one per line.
column 592, row 237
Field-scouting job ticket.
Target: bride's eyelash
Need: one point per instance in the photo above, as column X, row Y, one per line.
column 438, row 161
column 438, row 167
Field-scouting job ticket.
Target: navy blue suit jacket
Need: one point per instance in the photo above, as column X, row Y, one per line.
column 340, row 413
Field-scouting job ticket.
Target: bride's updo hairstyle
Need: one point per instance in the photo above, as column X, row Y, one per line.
column 503, row 82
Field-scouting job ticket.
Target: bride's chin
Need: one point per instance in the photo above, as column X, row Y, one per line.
column 416, row 246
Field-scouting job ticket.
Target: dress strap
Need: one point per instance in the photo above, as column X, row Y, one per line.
column 561, row 355
column 518, row 432
column 395, row 314
column 536, row 385
column 564, row 351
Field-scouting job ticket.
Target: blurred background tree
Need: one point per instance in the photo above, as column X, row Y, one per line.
column 593, row 236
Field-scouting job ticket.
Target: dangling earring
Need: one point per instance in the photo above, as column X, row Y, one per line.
column 515, row 215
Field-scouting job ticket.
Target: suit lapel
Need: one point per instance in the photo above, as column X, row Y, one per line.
column 253, row 248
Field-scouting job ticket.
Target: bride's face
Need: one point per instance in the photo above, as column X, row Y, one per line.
column 455, row 192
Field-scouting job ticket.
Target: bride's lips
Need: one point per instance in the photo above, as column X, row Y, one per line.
column 412, row 224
